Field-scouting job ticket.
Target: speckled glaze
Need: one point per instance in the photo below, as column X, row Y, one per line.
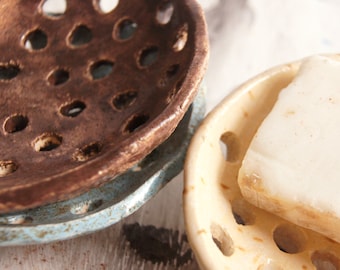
column 86, row 94
column 108, row 204
column 226, row 231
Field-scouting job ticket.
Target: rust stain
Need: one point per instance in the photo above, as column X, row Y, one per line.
column 253, row 182
column 187, row 190
column 289, row 113
column 225, row 187
column 202, row 231
column 241, row 248
column 251, row 95
column 258, row 239
column 42, row 234
column 255, row 259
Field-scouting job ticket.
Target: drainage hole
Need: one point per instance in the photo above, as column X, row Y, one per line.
column 86, row 207
column 243, row 212
column 181, row 39
column 324, row 260
column 124, row 99
column 7, row 167
column 73, row 109
column 58, row 76
column 169, row 74
column 8, row 71
column 289, row 238
column 230, row 146
column 35, row 40
column 54, row 8
column 222, row 240
column 47, row 142
column 101, row 69
column 81, row 35
column 148, row 56
column 125, row 29
column 136, row 122
column 164, row 12
column 15, row 123
column 87, row 152
column 106, row 6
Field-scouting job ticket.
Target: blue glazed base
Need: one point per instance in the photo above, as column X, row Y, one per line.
column 108, row 204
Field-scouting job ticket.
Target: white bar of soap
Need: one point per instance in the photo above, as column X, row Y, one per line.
column 292, row 166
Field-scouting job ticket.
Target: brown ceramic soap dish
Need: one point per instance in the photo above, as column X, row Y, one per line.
column 87, row 92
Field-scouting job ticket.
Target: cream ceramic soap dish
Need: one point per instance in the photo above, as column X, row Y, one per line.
column 225, row 231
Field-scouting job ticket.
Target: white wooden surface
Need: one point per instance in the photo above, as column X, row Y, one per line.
column 247, row 37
